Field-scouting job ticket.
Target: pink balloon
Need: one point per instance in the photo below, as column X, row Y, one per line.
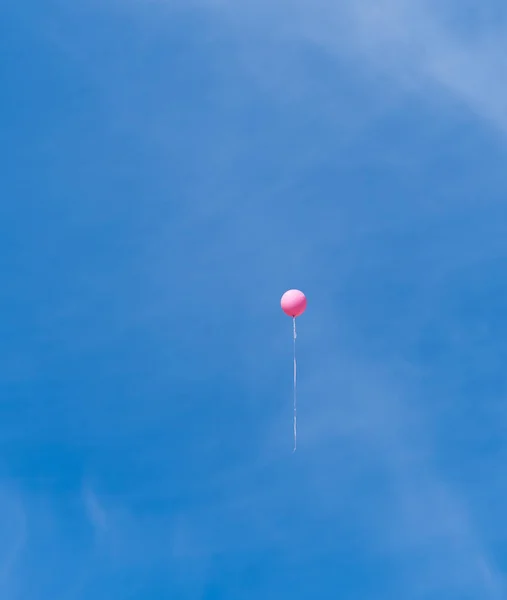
column 293, row 303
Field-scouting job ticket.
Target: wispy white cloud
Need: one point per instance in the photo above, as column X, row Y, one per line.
column 418, row 44
column 421, row 44
column 14, row 537
column 95, row 511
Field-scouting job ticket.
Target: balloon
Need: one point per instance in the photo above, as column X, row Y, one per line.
column 293, row 303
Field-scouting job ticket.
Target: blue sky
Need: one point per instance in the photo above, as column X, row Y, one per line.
column 169, row 169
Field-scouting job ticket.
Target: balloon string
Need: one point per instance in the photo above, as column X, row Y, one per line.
column 295, row 382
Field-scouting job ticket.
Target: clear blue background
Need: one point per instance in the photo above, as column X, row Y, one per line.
column 168, row 170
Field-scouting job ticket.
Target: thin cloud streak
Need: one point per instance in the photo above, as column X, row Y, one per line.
column 414, row 42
